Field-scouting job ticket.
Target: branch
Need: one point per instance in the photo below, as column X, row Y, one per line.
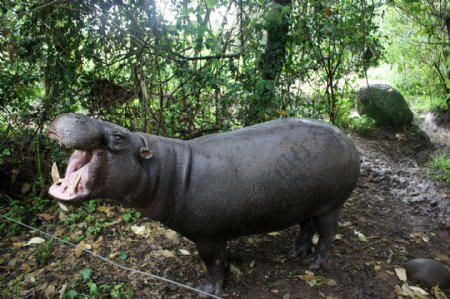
column 209, row 57
column 48, row 4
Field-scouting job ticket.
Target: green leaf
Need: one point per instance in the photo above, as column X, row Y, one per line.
column 211, row 3
column 72, row 294
column 86, row 273
column 93, row 289
column 123, row 255
column 127, row 217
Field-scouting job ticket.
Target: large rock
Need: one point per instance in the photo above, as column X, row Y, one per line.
column 385, row 105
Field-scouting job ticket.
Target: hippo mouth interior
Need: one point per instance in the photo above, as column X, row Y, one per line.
column 73, row 187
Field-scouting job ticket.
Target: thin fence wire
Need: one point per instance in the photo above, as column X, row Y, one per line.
column 153, row 276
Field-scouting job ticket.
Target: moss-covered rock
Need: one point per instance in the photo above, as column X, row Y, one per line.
column 385, row 105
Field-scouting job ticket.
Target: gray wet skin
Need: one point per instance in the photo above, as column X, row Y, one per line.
column 215, row 188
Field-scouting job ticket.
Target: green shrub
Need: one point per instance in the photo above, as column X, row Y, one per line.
column 439, row 168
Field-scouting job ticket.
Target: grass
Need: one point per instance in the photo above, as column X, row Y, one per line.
column 105, row 290
column 439, row 168
column 422, row 104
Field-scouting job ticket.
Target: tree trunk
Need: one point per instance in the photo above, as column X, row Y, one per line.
column 447, row 90
column 270, row 66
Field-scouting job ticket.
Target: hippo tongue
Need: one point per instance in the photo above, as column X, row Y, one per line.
column 73, row 186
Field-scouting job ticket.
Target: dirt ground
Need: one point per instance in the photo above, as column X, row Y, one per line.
column 395, row 213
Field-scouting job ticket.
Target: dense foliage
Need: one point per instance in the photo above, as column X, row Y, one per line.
column 418, row 46
column 179, row 68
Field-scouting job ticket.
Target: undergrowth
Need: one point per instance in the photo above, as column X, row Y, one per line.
column 439, row 168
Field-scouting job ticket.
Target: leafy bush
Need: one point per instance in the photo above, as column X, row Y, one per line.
column 439, row 167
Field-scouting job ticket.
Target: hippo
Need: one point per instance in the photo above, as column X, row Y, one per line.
column 218, row 187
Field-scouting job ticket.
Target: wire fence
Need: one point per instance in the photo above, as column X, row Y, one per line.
column 153, row 276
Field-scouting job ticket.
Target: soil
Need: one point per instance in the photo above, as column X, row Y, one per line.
column 396, row 213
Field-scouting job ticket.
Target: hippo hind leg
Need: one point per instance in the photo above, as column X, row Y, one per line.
column 302, row 244
column 326, row 226
column 214, row 256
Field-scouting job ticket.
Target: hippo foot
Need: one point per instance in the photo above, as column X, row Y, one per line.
column 296, row 251
column 210, row 287
column 318, row 262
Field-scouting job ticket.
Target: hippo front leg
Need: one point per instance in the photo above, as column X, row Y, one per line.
column 214, row 256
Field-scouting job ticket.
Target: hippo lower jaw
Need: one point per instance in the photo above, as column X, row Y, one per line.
column 80, row 171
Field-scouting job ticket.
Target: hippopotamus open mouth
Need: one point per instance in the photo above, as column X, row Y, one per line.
column 74, row 185
column 75, row 132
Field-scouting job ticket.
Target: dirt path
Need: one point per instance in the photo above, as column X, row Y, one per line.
column 395, row 213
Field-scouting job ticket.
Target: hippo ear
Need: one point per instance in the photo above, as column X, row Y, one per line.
column 145, row 152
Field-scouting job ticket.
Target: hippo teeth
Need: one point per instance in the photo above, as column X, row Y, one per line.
column 75, row 184
column 55, row 173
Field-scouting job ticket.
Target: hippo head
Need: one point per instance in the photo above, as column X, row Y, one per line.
column 106, row 163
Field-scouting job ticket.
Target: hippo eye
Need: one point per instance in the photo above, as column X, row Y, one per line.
column 118, row 138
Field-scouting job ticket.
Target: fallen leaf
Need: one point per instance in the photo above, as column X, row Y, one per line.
column 344, row 224
column 62, row 217
column 398, row 291
column 401, row 273
column 438, row 293
column 360, row 236
column 171, row 235
column 26, row 268
column 79, row 248
column 236, row 271
column 35, row 240
column 311, row 279
column 331, row 282
column 166, row 253
column 97, row 243
column 63, row 207
column 46, row 217
column 273, row 234
column 410, row 291
column 107, row 210
column 50, row 291
column 338, row 237
column 25, row 188
column 15, row 173
column 306, row 277
column 115, row 222
column 62, row 291
column 315, row 239
column 138, row 230
column 184, row 252
column 418, row 291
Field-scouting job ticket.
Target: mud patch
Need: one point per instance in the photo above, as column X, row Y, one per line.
column 439, row 135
